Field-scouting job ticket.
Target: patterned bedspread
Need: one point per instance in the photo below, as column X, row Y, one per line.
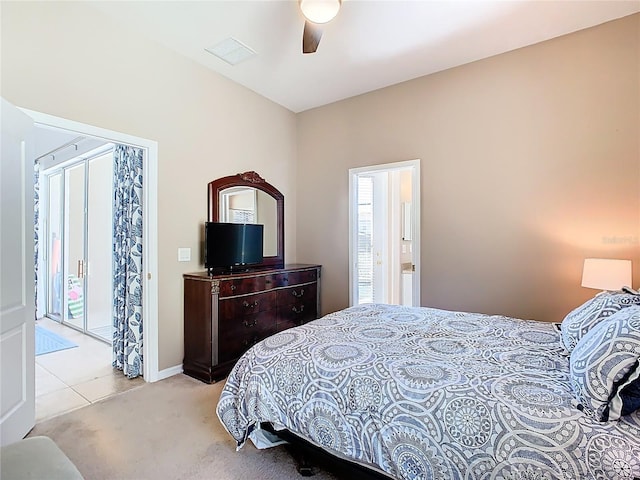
column 421, row 393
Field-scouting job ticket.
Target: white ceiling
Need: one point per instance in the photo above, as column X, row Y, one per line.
column 370, row 44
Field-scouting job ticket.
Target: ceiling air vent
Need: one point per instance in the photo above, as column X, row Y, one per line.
column 231, row 51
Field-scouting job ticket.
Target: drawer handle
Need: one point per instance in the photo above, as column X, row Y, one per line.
column 250, row 305
column 233, row 287
column 251, row 323
column 298, row 295
column 294, row 309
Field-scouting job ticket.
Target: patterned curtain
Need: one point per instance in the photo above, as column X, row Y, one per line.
column 127, row 260
column 36, row 230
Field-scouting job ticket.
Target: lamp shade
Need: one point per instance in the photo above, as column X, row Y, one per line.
column 320, row 11
column 606, row 274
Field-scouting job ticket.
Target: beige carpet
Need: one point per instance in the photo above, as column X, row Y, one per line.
column 163, row 430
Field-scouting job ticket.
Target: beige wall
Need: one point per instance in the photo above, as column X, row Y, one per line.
column 67, row 60
column 530, row 163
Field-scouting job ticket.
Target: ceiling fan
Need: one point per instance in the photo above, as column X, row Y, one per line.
column 316, row 13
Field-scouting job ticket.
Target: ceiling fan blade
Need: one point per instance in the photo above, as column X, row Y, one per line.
column 311, row 37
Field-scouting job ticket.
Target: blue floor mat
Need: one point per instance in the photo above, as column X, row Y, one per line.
column 47, row 342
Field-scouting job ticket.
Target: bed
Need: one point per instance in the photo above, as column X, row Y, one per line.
column 423, row 393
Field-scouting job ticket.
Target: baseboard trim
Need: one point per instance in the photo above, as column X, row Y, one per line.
column 169, row 372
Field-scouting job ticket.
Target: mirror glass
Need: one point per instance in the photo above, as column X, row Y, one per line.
column 250, row 205
column 248, row 198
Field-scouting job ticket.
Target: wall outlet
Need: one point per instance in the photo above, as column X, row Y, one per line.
column 184, row 254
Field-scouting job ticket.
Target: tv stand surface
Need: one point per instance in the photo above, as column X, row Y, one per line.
column 225, row 314
column 235, row 270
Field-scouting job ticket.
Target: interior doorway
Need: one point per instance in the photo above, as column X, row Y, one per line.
column 74, row 220
column 149, row 226
column 384, row 246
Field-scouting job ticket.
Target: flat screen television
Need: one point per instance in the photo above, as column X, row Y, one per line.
column 232, row 246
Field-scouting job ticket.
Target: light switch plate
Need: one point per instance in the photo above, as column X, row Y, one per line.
column 184, row 254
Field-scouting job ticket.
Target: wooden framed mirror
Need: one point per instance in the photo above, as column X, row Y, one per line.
column 248, row 198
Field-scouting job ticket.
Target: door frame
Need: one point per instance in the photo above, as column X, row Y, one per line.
column 414, row 165
column 150, row 225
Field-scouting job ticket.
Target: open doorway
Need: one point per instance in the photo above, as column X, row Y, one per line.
column 74, row 281
column 74, row 294
column 149, row 225
column 384, row 230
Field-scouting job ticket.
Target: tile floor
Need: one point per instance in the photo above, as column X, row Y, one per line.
column 76, row 377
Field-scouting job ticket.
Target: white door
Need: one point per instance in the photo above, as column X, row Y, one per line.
column 381, row 246
column 17, row 300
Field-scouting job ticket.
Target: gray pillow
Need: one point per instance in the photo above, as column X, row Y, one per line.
column 604, row 365
column 579, row 321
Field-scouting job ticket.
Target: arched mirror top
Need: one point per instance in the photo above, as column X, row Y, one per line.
column 248, row 198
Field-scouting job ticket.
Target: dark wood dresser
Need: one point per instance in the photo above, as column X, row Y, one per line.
column 224, row 315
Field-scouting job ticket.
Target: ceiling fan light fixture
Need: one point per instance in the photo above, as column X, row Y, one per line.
column 320, row 11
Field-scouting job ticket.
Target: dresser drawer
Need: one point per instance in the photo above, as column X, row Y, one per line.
column 230, row 308
column 297, row 294
column 237, row 335
column 241, row 286
column 297, row 313
column 293, row 278
column 304, row 276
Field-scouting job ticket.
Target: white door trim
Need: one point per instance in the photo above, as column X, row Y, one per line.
column 150, row 226
column 415, row 220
